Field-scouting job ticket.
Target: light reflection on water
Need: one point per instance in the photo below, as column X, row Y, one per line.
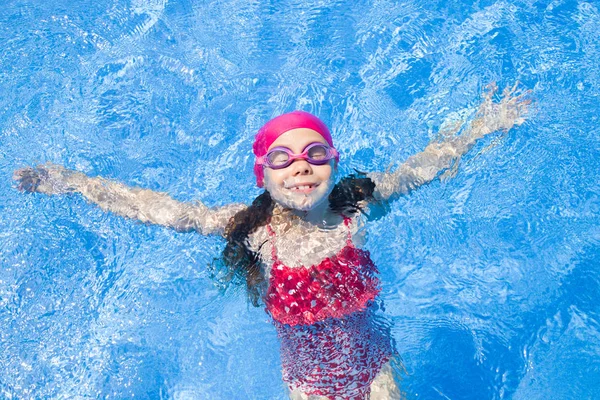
column 490, row 278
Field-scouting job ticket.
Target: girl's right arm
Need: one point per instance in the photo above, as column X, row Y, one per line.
column 135, row 203
column 438, row 156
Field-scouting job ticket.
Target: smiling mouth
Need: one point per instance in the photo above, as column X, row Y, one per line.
column 303, row 188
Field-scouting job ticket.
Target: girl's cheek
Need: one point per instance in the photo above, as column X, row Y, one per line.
column 275, row 177
column 326, row 171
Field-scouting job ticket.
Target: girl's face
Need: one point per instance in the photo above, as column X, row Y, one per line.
column 300, row 185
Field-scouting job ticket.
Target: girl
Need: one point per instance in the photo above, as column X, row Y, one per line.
column 297, row 244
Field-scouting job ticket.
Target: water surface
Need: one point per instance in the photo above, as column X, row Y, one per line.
column 491, row 278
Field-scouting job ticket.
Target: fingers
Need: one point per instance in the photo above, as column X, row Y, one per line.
column 490, row 90
column 509, row 94
column 519, row 121
column 516, row 93
column 29, row 178
column 514, row 88
column 18, row 174
column 512, row 108
column 508, row 91
column 516, row 103
column 523, row 99
column 28, row 184
column 21, row 177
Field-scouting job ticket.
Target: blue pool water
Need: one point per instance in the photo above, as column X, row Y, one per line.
column 491, row 279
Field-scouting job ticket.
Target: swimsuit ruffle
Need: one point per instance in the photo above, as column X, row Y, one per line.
column 338, row 286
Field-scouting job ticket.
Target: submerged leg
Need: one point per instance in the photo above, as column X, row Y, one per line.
column 385, row 386
column 298, row 395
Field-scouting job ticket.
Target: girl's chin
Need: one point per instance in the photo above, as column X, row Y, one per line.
column 299, row 200
column 301, row 204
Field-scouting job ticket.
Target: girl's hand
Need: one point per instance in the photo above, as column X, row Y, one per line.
column 48, row 179
column 510, row 111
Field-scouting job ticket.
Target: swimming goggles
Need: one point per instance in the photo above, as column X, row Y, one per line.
column 315, row 153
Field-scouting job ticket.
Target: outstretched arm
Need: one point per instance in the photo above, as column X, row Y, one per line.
column 441, row 155
column 136, row 203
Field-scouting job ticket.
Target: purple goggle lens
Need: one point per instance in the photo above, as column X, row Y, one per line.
column 315, row 153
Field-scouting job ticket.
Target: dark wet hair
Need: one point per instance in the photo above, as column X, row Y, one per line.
column 238, row 263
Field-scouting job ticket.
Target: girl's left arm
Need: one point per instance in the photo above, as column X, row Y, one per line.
column 424, row 167
column 144, row 205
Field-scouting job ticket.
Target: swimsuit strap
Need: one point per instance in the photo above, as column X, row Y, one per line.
column 347, row 222
column 272, row 241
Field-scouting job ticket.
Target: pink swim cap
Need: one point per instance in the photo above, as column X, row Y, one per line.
column 280, row 125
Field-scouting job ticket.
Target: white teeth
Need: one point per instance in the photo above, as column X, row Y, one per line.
column 301, row 187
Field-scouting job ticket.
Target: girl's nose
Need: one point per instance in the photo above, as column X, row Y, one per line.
column 301, row 167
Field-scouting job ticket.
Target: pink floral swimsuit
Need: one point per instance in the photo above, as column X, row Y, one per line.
column 331, row 343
